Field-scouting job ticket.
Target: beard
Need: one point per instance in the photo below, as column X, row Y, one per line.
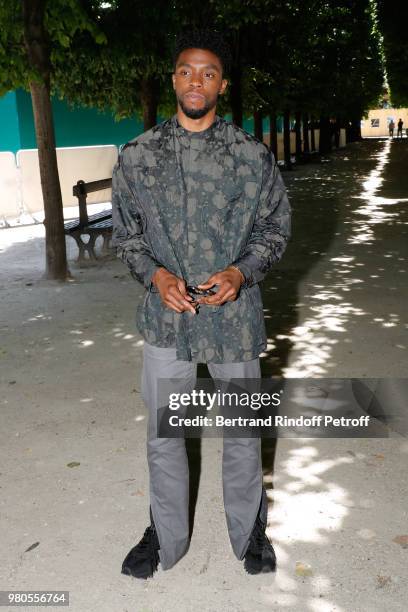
column 197, row 113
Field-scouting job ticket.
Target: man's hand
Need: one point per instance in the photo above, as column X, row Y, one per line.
column 229, row 282
column 172, row 291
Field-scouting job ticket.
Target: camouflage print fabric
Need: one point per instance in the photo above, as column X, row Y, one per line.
column 195, row 203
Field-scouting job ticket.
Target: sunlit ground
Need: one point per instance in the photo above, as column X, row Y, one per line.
column 346, row 265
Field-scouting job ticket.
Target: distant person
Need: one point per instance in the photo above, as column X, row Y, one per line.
column 399, row 131
column 391, row 128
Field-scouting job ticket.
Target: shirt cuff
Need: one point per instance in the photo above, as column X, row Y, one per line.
column 150, row 285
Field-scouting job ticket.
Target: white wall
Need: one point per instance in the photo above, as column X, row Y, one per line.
column 9, row 186
column 20, row 185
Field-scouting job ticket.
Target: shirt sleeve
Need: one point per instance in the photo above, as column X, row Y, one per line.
column 272, row 226
column 127, row 233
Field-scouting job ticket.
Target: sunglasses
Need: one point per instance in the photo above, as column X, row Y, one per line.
column 193, row 291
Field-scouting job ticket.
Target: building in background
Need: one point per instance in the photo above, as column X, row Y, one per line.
column 379, row 119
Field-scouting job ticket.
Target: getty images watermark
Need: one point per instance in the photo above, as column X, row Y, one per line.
column 341, row 408
column 254, row 401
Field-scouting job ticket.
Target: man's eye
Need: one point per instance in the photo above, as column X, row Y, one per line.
column 210, row 75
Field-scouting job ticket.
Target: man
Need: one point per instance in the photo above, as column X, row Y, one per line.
column 391, row 127
column 198, row 202
column 399, row 130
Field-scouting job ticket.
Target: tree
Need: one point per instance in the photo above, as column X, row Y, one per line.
column 35, row 34
column 393, row 19
column 348, row 65
column 294, row 57
column 130, row 73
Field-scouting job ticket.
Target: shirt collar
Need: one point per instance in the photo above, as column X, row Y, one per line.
column 198, row 135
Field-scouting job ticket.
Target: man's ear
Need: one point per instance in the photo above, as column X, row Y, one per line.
column 223, row 87
column 173, row 78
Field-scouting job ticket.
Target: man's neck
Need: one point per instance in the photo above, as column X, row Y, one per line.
column 196, row 125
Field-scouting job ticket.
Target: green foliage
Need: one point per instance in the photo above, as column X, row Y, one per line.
column 64, row 20
column 315, row 56
column 138, row 36
column 393, row 19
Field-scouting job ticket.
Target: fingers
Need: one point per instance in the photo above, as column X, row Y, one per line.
column 213, row 280
column 228, row 281
column 181, row 286
column 179, row 305
column 226, row 293
column 175, row 300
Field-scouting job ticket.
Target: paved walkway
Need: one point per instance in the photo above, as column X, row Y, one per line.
column 72, row 442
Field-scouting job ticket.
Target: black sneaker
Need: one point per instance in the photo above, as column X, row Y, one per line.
column 143, row 559
column 260, row 556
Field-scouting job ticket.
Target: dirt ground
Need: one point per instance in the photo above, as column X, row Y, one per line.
column 74, row 481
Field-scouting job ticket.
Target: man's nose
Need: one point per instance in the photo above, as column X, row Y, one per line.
column 196, row 80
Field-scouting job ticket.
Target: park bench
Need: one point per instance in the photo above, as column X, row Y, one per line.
column 99, row 224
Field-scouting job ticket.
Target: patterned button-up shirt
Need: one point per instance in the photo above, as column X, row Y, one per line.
column 195, row 203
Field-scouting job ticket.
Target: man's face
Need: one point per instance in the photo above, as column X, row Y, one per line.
column 197, row 81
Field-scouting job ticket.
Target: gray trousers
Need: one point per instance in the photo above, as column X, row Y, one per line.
column 168, row 464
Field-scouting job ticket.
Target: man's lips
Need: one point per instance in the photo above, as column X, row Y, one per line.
column 194, row 96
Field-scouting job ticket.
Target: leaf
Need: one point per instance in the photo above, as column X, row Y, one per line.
column 382, row 581
column 402, row 540
column 100, row 38
column 63, row 39
column 73, row 464
column 139, row 493
column 303, row 569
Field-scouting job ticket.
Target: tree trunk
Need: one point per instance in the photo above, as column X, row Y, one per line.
column 306, row 147
column 349, row 135
column 236, row 98
column 346, row 125
column 325, row 135
column 312, row 133
column 273, row 135
column 36, row 44
column 357, row 124
column 258, row 125
column 354, row 131
column 286, row 139
column 337, row 133
column 236, row 78
column 149, row 100
column 298, row 118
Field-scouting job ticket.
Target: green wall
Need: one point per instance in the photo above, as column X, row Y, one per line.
column 75, row 127
column 9, row 133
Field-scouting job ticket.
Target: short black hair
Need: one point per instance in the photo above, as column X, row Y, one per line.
column 204, row 39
